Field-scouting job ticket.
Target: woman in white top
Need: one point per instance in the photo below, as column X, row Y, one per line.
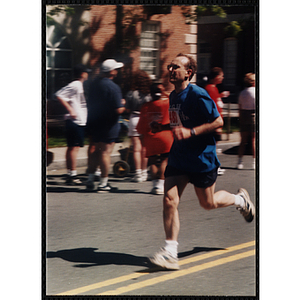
column 247, row 117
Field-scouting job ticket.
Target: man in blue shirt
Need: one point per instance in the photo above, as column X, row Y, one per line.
column 105, row 105
column 193, row 119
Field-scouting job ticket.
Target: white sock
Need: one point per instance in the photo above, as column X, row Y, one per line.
column 239, row 201
column 171, row 246
column 154, row 182
column 91, row 177
column 145, row 174
column 160, row 183
column 103, row 181
column 73, row 173
column 98, row 172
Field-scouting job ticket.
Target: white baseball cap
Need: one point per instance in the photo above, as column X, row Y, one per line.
column 110, row 64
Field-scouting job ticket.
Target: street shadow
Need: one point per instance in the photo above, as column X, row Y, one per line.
column 60, row 189
column 89, row 257
column 234, row 150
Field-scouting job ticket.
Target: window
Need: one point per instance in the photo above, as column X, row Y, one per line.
column 204, row 56
column 58, row 60
column 230, row 61
column 149, row 44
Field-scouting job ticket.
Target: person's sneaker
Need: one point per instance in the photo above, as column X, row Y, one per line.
column 164, row 260
column 157, row 191
column 248, row 211
column 104, row 188
column 89, row 185
column 73, row 180
column 240, row 166
column 221, row 171
column 137, row 178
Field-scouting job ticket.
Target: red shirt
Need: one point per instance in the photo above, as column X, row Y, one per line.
column 214, row 94
column 160, row 142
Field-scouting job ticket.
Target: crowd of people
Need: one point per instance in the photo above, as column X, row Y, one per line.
column 176, row 135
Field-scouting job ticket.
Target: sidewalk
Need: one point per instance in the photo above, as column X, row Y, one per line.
column 59, row 160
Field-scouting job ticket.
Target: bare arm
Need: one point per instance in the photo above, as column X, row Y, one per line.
column 68, row 107
column 120, row 110
column 185, row 133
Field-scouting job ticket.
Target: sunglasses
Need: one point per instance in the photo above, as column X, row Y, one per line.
column 174, row 67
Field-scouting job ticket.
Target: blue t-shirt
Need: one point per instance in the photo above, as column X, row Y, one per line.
column 190, row 108
column 104, row 98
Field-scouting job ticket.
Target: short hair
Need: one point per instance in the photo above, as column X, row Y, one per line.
column 249, row 79
column 214, row 72
column 192, row 64
column 141, row 82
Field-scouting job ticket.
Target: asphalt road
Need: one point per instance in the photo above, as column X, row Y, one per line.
column 98, row 244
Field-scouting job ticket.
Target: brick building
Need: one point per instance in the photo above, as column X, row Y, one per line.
column 148, row 38
column 143, row 37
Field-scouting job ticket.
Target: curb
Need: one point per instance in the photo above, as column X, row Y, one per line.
column 82, row 161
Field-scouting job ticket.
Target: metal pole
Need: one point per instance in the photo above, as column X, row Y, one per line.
column 228, row 121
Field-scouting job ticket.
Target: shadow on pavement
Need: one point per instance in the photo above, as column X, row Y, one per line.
column 88, row 257
column 234, row 150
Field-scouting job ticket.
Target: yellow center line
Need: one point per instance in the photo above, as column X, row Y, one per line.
column 177, row 274
column 137, row 275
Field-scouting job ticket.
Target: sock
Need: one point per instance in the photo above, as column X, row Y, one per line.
column 91, row 177
column 73, row 173
column 145, row 174
column 239, row 201
column 103, row 181
column 98, row 172
column 160, row 183
column 171, row 246
column 154, row 182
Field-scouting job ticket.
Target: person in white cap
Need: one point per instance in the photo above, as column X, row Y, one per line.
column 104, row 108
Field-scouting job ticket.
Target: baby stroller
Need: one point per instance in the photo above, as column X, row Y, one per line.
column 124, row 166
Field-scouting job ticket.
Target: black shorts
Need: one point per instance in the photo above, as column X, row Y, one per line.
column 247, row 120
column 74, row 134
column 200, row 180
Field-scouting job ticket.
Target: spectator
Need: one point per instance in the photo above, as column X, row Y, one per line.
column 247, row 117
column 72, row 98
column 216, row 77
column 105, row 106
column 158, row 144
column 139, row 94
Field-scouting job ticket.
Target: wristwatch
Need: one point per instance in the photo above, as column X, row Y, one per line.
column 193, row 133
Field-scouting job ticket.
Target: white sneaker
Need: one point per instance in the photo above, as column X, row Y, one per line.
column 165, row 260
column 157, row 191
column 137, row 178
column 240, row 166
column 221, row 171
column 248, row 211
column 104, row 188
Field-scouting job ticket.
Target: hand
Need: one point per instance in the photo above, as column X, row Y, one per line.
column 220, row 103
column 181, row 133
column 225, row 94
column 73, row 114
